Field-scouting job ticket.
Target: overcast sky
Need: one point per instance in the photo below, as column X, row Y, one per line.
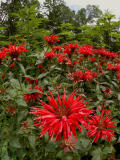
column 111, row 5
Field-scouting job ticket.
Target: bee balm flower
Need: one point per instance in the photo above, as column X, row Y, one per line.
column 61, row 117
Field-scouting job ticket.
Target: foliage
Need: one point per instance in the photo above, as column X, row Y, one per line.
column 26, row 82
column 83, row 57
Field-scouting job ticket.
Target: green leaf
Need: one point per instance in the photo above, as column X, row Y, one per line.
column 15, row 83
column 22, row 115
column 119, row 97
column 97, row 154
column 31, row 139
column 21, row 102
column 42, row 75
column 83, row 145
column 22, row 68
column 15, row 143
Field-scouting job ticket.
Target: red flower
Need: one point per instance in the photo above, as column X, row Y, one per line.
column 68, row 145
column 33, row 96
column 118, row 77
column 61, row 117
column 10, row 109
column 50, row 55
column 103, row 52
column 89, row 75
column 101, row 126
column 86, row 50
column 52, row 39
column 3, row 76
column 2, row 55
column 76, row 76
column 92, row 60
column 12, row 65
column 108, row 91
column 80, row 75
column 31, row 81
column 25, row 125
column 62, row 58
column 14, row 50
column 57, row 48
column 111, row 66
column 70, row 48
column 117, row 66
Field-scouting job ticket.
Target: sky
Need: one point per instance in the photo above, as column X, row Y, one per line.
column 112, row 5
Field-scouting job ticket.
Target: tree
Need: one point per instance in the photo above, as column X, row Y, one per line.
column 110, row 30
column 87, row 15
column 57, row 13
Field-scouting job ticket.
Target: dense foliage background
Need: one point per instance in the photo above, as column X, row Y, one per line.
column 84, row 57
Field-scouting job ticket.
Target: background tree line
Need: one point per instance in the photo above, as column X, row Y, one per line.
column 32, row 20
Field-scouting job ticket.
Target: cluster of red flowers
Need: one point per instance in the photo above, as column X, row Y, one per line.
column 50, row 55
column 86, row 50
column 114, row 68
column 14, row 51
column 61, row 117
column 52, row 39
column 31, row 81
column 32, row 97
column 70, row 48
column 81, row 75
column 103, row 52
column 2, row 55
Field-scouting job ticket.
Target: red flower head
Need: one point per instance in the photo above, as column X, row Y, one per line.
column 52, row 39
column 57, row 48
column 2, row 55
column 100, row 126
column 70, row 48
column 31, row 81
column 86, row 50
column 80, row 75
column 89, row 75
column 92, row 60
column 12, row 65
column 117, row 66
column 68, row 145
column 3, row 76
column 108, row 91
column 14, row 51
column 118, row 77
column 50, row 55
column 10, row 109
column 62, row 58
column 76, row 76
column 61, row 117
column 33, row 96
